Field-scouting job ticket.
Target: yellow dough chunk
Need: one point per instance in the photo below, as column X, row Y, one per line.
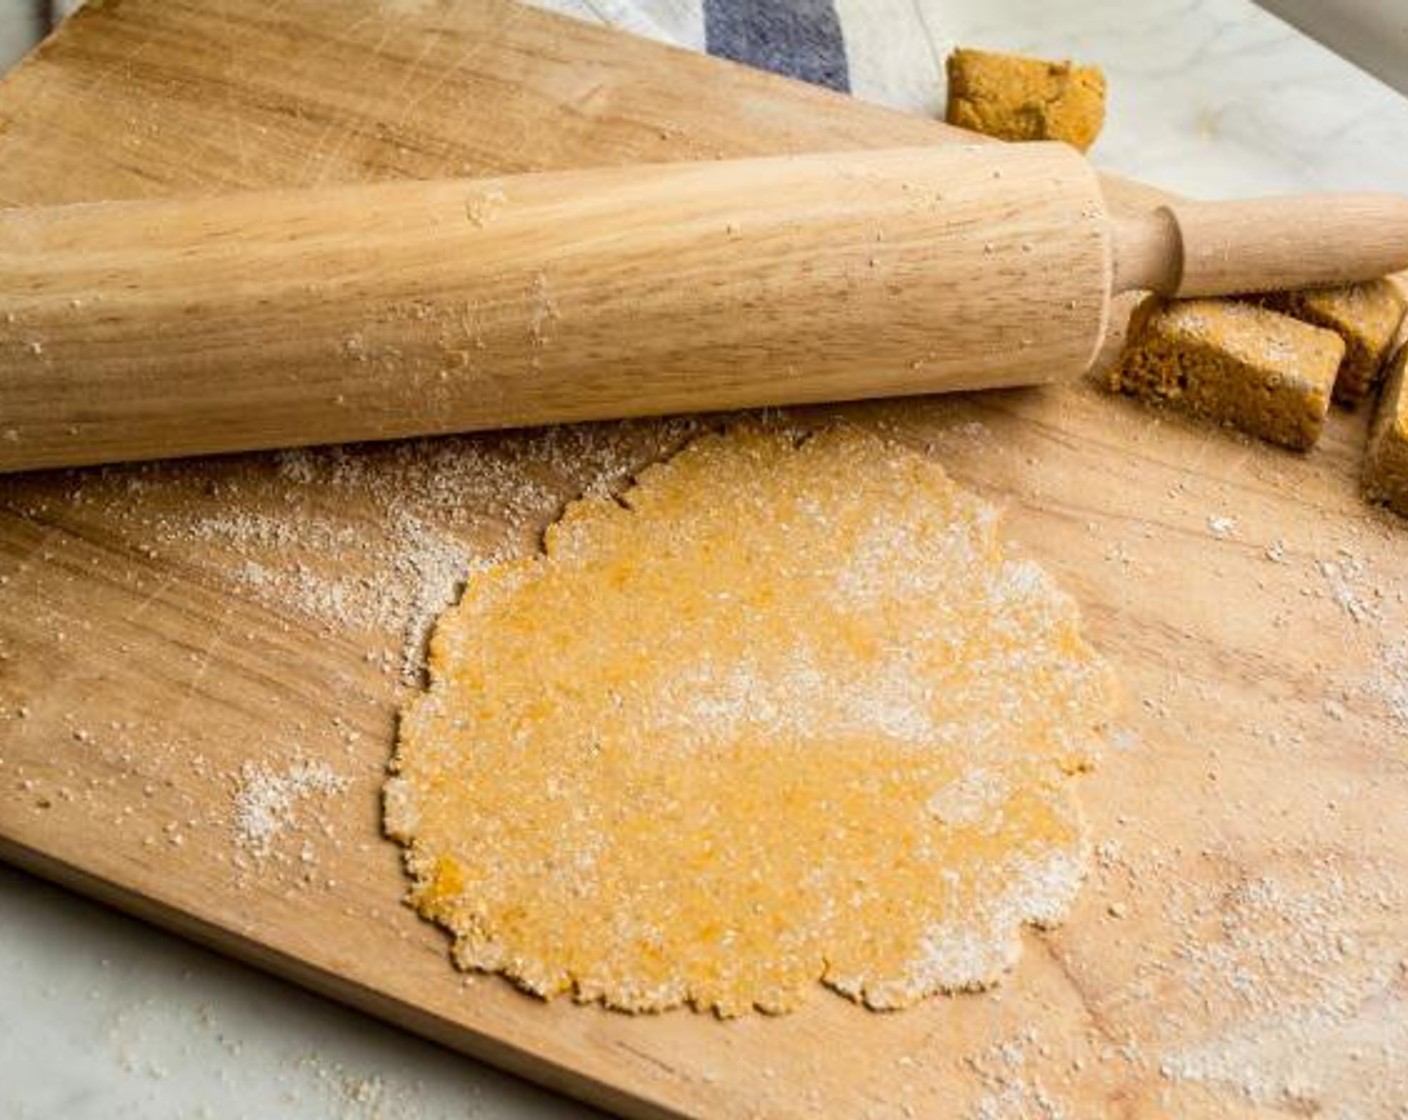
column 783, row 713
column 1366, row 316
column 1017, row 98
column 1386, row 463
column 1235, row 363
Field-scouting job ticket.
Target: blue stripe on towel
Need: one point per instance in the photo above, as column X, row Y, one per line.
column 798, row 38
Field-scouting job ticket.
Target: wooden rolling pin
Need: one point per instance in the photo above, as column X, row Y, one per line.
column 137, row 330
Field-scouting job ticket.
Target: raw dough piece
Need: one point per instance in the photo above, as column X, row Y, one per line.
column 1017, row 98
column 1366, row 316
column 1236, row 363
column 1386, row 463
column 783, row 713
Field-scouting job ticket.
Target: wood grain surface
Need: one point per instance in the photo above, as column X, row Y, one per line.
column 178, row 643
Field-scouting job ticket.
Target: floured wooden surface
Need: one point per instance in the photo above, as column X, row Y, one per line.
column 782, row 712
column 1238, row 947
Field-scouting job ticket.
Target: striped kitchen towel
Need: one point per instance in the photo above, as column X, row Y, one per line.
column 887, row 51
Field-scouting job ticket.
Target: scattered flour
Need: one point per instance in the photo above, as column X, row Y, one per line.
column 267, row 800
column 1345, row 576
column 1010, row 1087
column 1390, row 683
column 1295, row 982
column 380, row 537
column 1222, row 527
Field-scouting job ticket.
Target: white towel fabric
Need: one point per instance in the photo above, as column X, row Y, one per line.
column 893, row 51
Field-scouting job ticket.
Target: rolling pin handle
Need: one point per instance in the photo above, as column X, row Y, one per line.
column 1186, row 249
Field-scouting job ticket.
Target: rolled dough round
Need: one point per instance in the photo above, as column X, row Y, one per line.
column 782, row 712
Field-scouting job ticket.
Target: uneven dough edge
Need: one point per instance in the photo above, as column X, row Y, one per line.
column 969, row 960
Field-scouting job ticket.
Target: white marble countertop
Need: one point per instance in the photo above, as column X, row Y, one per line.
column 101, row 1016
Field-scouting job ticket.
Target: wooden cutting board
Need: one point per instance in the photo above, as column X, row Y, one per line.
column 200, row 663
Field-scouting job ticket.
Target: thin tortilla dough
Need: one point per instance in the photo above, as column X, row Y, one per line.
column 780, row 713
